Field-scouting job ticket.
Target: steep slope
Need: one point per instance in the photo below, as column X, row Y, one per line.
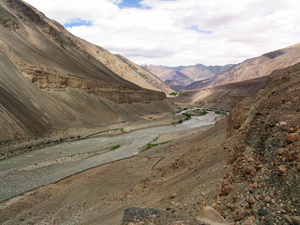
column 118, row 64
column 249, row 174
column 176, row 79
column 66, row 87
column 194, row 72
column 150, row 78
column 157, row 70
column 201, row 72
column 254, row 67
column 224, row 96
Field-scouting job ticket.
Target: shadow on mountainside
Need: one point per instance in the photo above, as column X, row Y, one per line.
column 245, row 167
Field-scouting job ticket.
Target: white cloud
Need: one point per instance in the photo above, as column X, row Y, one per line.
column 160, row 35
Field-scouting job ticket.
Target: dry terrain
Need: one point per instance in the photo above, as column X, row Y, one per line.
column 224, row 96
column 55, row 86
column 245, row 168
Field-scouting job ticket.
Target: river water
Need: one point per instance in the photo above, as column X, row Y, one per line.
column 40, row 167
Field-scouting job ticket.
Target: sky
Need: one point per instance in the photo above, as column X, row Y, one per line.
column 180, row 32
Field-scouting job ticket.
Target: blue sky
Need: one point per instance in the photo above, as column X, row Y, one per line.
column 180, row 32
column 78, row 22
column 196, row 28
column 130, row 4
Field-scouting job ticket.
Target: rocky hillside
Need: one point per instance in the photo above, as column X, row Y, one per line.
column 224, row 96
column 264, row 146
column 176, row 80
column 243, row 170
column 149, row 77
column 52, row 82
column 253, row 68
column 181, row 76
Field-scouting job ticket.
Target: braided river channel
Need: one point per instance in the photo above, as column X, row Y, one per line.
column 46, row 165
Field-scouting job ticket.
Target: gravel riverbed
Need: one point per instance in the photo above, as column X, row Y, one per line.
column 40, row 167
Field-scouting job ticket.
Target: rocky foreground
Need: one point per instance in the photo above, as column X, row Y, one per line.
column 243, row 170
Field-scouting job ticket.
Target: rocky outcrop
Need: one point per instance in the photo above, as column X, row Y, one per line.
column 263, row 131
column 9, row 24
column 116, row 93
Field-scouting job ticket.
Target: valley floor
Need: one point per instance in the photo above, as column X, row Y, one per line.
column 177, row 177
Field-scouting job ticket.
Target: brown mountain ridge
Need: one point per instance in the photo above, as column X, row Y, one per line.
column 53, row 83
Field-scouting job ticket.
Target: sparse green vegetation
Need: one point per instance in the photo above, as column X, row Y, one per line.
column 174, row 93
column 220, row 112
column 122, row 129
column 154, row 145
column 114, row 147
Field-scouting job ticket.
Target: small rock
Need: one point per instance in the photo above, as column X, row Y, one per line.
column 250, row 159
column 210, row 216
column 248, row 211
column 251, row 200
column 250, row 221
column 254, row 185
column 238, row 217
column 218, row 209
column 290, row 156
column 261, row 212
column 282, row 168
column 282, row 123
column 295, row 219
column 290, row 138
column 257, row 197
column 281, row 151
column 298, row 167
column 226, row 190
column 172, row 196
column 22, row 219
column 267, row 199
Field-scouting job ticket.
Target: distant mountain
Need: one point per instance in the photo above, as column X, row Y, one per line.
column 185, row 75
column 147, row 76
column 176, row 79
column 253, row 68
column 226, row 89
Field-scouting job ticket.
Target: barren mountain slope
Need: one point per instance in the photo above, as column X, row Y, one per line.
column 249, row 174
column 119, row 64
column 201, row 72
column 176, row 80
column 192, row 73
column 66, row 87
column 258, row 67
column 157, row 70
column 150, row 78
column 224, row 96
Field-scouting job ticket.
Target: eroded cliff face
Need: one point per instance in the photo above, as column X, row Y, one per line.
column 53, row 81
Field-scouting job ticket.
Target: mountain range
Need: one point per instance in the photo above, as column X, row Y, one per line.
column 201, row 76
column 180, row 77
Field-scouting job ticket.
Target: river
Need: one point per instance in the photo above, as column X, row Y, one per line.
column 46, row 165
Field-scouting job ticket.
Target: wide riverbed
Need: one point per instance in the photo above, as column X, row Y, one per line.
column 40, row 167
